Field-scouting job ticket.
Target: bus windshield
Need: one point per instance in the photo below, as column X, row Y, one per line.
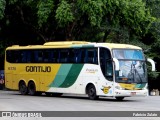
column 128, row 54
column 132, row 66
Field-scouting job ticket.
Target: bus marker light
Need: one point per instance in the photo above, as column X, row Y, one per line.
column 124, row 79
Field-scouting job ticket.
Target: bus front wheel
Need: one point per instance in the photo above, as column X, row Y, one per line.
column 91, row 91
column 32, row 88
column 23, row 88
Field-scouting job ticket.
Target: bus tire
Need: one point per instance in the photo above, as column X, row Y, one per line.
column 23, row 88
column 32, row 88
column 119, row 98
column 91, row 91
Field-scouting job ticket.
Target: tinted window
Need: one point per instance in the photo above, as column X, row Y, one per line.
column 68, row 55
column 128, row 54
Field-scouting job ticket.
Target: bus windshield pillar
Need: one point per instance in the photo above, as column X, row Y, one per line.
column 116, row 64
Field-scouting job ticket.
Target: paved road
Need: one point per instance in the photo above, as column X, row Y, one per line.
column 13, row 101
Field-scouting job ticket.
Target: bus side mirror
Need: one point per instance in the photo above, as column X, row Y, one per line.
column 152, row 63
column 116, row 64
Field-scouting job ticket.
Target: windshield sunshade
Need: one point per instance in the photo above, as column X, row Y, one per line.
column 128, row 54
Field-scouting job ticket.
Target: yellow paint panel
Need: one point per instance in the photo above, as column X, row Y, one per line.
column 127, row 86
column 8, row 81
column 17, row 72
column 48, row 79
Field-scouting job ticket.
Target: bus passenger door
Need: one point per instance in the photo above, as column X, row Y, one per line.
column 106, row 65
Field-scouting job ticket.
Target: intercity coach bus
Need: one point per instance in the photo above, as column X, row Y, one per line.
column 77, row 67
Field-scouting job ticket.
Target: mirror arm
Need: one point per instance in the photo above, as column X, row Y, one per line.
column 152, row 63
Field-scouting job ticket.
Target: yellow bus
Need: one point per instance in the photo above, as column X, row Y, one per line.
column 77, row 67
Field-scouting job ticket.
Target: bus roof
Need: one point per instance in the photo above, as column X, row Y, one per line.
column 65, row 43
column 72, row 44
column 117, row 45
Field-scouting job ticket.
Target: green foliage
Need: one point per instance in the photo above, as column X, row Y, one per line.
column 45, row 8
column 152, row 75
column 132, row 14
column 12, row 1
column 94, row 9
column 154, row 6
column 112, row 19
column 2, row 8
column 122, row 21
column 64, row 14
column 154, row 35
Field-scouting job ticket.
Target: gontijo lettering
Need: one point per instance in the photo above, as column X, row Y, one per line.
column 38, row 68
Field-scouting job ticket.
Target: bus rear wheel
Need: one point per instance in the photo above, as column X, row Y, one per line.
column 91, row 91
column 23, row 88
column 32, row 88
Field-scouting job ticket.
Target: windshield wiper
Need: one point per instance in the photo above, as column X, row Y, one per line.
column 133, row 73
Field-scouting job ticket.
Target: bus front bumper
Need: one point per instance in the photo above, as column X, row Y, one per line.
column 129, row 93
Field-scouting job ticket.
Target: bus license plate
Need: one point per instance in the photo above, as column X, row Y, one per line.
column 133, row 93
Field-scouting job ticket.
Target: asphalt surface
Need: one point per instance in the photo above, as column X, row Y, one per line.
column 68, row 103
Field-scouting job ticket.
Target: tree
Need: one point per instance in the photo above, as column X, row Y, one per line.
column 77, row 19
column 2, row 8
column 152, row 38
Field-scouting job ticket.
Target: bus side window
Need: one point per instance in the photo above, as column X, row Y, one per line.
column 16, row 56
column 40, row 56
column 10, row 56
column 37, row 55
column 53, row 56
column 71, row 56
column 83, row 56
column 23, row 56
column 46, row 55
column 95, row 60
column 57, row 56
column 91, row 56
column 28, row 56
column 50, row 56
column 78, row 53
column 64, row 53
